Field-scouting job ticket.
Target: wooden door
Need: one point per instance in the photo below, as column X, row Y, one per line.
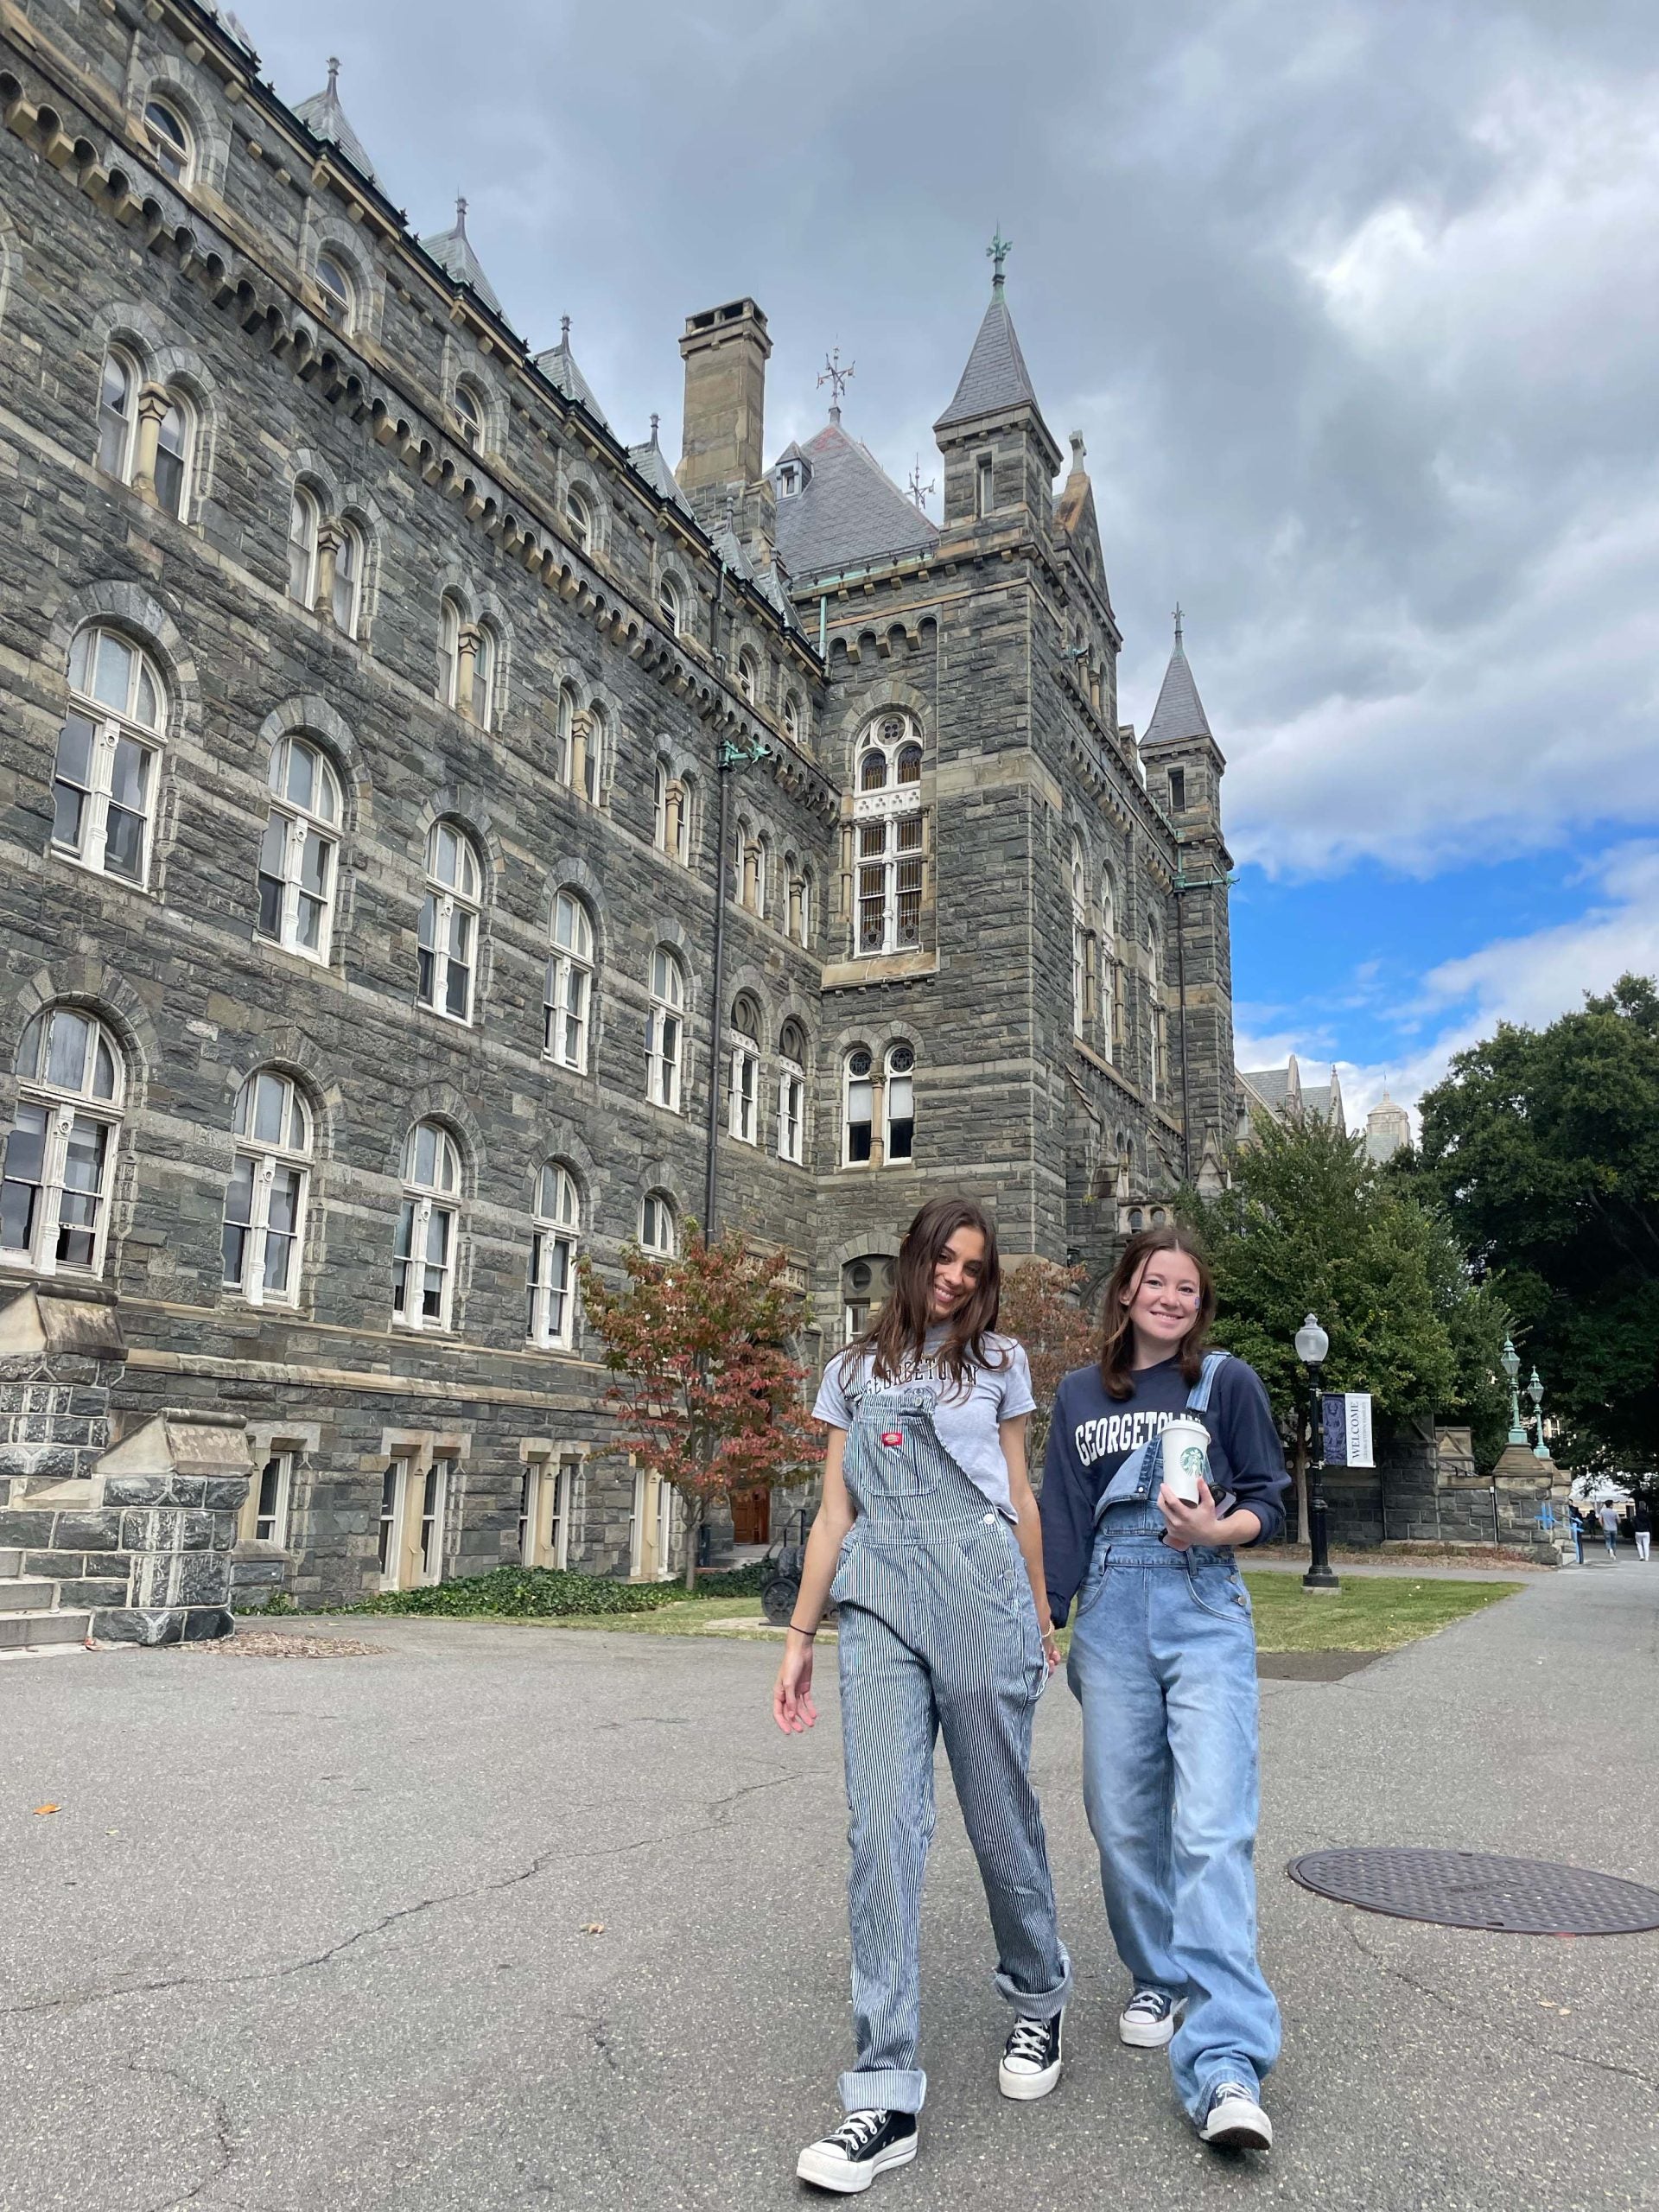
column 752, row 1517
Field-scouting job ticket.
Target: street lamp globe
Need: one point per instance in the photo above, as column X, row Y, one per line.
column 1509, row 1360
column 1311, row 1343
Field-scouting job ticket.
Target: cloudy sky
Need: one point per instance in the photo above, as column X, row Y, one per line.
column 1355, row 302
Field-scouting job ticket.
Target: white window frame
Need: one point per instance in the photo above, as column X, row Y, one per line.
column 467, row 409
column 266, row 1158
column 121, row 462
column 897, row 1080
column 175, row 150
column 181, row 413
column 889, row 839
column 415, row 1498
column 749, row 675
column 579, row 514
column 568, row 994
column 452, row 621
column 670, row 605
column 665, row 1029
column 302, row 822
column 63, row 1108
column 453, row 904
column 546, row 1499
column 351, row 559
column 1108, row 975
column 423, row 1204
column 113, row 727
column 555, row 1235
column 659, row 1225
column 487, row 670
column 744, row 1115
column 851, row 1082
column 339, row 300
column 791, row 1108
column 255, row 1525
column 305, row 510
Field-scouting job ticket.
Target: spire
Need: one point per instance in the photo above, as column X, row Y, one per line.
column 324, row 118
column 1180, row 711
column 453, row 251
column 996, row 378
column 558, row 365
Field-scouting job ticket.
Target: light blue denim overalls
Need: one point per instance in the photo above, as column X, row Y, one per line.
column 1163, row 1662
column 937, row 1634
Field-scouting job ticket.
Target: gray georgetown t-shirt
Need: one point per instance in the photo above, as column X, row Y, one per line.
column 964, row 1417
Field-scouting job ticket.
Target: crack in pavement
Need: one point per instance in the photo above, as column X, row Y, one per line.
column 225, row 2141
column 1494, row 2028
column 717, row 1811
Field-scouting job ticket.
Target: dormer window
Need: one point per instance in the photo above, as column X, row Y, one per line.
column 791, row 478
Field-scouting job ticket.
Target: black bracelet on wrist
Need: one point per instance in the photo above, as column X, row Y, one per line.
column 809, row 1633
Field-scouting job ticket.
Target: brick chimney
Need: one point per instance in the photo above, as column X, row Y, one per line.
column 725, row 351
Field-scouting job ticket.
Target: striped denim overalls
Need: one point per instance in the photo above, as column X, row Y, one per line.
column 1163, row 1662
column 937, row 1634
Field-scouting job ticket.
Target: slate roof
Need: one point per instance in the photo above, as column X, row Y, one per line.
column 453, row 251
column 649, row 459
column 322, row 113
column 996, row 377
column 558, row 364
column 1180, row 711
column 849, row 510
column 1271, row 1085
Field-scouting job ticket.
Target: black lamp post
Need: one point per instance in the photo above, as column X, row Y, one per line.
column 1312, row 1345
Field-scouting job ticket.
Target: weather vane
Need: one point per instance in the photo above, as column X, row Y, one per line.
column 997, row 253
column 918, row 489
column 838, row 378
column 1177, row 621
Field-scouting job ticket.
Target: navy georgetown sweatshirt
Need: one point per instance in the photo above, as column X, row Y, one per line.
column 1090, row 1435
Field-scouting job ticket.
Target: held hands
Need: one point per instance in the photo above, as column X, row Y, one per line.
column 1050, row 1648
column 1192, row 1524
column 792, row 1695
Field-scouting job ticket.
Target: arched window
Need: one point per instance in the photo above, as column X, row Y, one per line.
column 580, row 516
column 304, row 524
column 569, row 994
column 749, row 675
column 170, row 141
column 686, row 828
column 670, row 605
column 450, row 619
column 858, row 1106
column 865, row 1287
column 174, row 442
column 59, row 1159
column 553, row 1258
column 673, row 814
column 299, row 856
column 1084, row 950
column 336, row 290
column 659, row 817
column 890, row 838
column 264, row 1199
column 659, row 1228
column 484, row 677
column 791, row 1091
column 108, row 761
column 665, row 1029
column 346, row 596
column 762, row 874
column 117, row 414
column 803, row 898
column 1157, row 1014
column 900, row 1105
column 449, row 923
column 590, row 762
column 746, row 1071
column 423, row 1253
column 1113, row 997
column 469, row 415
column 792, row 717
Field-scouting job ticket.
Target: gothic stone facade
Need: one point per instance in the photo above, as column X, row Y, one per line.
column 371, row 714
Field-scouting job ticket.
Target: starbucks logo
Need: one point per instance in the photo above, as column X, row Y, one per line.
column 1192, row 1461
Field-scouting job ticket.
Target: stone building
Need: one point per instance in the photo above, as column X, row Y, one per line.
column 1388, row 1128
column 440, row 837
column 1281, row 1093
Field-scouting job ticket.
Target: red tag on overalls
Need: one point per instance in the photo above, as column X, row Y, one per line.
column 892, row 1436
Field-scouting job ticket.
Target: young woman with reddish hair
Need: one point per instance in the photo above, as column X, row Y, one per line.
column 1163, row 1662
column 927, row 1539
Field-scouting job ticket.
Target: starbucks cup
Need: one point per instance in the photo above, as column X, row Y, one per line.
column 1186, row 1457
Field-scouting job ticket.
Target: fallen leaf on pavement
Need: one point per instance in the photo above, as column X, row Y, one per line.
column 593, row 1928
column 38, row 1809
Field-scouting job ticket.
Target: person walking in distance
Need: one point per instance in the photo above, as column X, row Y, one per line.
column 1642, row 1517
column 927, row 1539
column 1163, row 1662
column 1610, row 1529
column 1576, row 1519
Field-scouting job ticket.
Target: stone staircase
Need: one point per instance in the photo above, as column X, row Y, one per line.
column 32, row 1616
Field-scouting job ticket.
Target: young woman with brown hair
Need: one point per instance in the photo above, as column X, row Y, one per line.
column 1163, row 1662
column 927, row 1539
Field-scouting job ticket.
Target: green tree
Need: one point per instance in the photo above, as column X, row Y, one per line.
column 1542, row 1147
column 1309, row 1226
column 704, row 1386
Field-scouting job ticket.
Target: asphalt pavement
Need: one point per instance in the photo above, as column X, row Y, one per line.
column 510, row 1917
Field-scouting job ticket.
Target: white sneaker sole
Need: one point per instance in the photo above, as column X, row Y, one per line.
column 1026, row 2088
column 1237, row 2126
column 1147, row 2035
column 845, row 2178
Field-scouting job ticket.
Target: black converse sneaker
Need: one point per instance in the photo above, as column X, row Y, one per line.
column 1031, row 2057
column 1148, row 2021
column 1235, row 2121
column 865, row 2145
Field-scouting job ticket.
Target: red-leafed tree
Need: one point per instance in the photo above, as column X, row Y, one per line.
column 1040, row 1307
column 705, row 1389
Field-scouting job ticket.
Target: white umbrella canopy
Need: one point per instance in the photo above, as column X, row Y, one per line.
column 1599, row 1490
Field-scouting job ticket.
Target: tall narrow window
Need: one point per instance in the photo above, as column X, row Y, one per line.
column 590, row 778
column 414, row 1500
column 264, row 1199
column 484, row 677
column 890, row 840
column 1083, row 949
column 448, row 926
column 449, row 627
column 545, row 1503
column 791, row 1091
column 173, row 442
column 792, row 718
column 117, row 415
column 580, row 516
column 264, row 1517
column 665, row 1029
column 659, row 819
column 304, row 522
column 170, row 141
column 670, row 606
column 899, row 1098
column 301, row 850
column 984, row 483
column 858, row 1116
column 109, row 757
column 61, row 1153
column 345, row 602
column 749, row 675
column 1178, row 791
column 658, row 1224
column 569, row 995
column 469, row 416
column 746, row 1071
column 553, row 1258
column 423, row 1253
column 337, row 292
column 1112, row 997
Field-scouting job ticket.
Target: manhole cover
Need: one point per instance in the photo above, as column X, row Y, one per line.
column 1472, row 1889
